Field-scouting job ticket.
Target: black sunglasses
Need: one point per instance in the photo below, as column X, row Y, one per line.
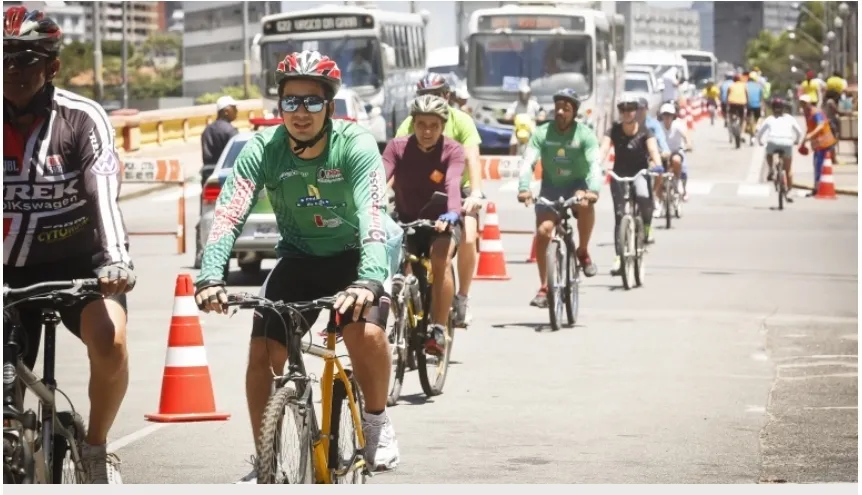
column 314, row 104
column 22, row 59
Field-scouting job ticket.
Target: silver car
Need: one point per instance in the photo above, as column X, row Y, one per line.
column 257, row 240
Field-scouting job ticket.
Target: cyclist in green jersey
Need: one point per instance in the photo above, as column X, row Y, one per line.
column 570, row 163
column 461, row 128
column 327, row 186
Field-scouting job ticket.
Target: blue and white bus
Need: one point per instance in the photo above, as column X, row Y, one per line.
column 381, row 54
column 702, row 66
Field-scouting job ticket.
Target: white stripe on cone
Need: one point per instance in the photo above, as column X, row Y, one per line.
column 826, row 179
column 492, row 246
column 185, row 306
column 185, row 357
column 492, row 219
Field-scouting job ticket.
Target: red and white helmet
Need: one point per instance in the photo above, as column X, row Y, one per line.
column 30, row 30
column 310, row 65
column 432, row 82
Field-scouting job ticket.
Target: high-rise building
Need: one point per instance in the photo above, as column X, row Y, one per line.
column 738, row 22
column 706, row 11
column 213, row 43
column 142, row 19
column 656, row 28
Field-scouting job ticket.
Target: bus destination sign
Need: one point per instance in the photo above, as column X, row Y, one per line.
column 310, row 24
column 532, row 22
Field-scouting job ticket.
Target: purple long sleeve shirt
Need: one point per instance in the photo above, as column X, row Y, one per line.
column 419, row 174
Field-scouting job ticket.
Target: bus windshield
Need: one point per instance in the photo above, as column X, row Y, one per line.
column 358, row 59
column 499, row 63
column 700, row 69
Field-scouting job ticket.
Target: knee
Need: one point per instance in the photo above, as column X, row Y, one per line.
column 677, row 161
column 440, row 262
column 104, row 334
column 545, row 229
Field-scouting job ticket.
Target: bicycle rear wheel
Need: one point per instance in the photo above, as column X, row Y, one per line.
column 571, row 288
column 639, row 251
column 668, row 202
column 555, row 269
column 285, row 455
column 627, row 250
column 401, row 348
column 65, row 471
column 344, row 446
column 780, row 184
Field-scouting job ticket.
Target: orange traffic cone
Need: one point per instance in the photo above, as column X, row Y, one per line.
column 532, row 258
column 187, row 391
column 492, row 263
column 826, row 186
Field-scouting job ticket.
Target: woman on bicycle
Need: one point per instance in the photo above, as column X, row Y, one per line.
column 783, row 134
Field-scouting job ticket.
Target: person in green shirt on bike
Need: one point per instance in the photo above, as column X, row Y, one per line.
column 327, row 186
column 569, row 151
column 461, row 128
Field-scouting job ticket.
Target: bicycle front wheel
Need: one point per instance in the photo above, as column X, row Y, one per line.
column 555, row 268
column 434, row 369
column 571, row 290
column 66, row 470
column 400, row 348
column 668, row 201
column 285, row 455
column 344, row 448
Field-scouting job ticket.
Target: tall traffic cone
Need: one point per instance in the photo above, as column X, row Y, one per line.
column 492, row 263
column 187, row 390
column 826, row 186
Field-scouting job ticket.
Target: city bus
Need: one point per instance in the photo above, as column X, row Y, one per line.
column 702, row 66
column 549, row 47
column 381, row 54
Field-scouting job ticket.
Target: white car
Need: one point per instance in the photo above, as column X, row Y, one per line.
column 641, row 84
column 349, row 106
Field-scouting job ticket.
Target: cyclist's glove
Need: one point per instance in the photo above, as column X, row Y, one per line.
column 373, row 286
column 213, row 297
column 450, row 217
column 349, row 298
column 116, row 272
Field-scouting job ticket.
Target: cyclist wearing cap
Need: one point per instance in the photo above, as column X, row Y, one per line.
column 61, row 220
column 326, row 182
column 569, row 153
column 677, row 141
column 634, row 145
column 461, row 128
column 427, row 162
column 784, row 133
column 651, row 123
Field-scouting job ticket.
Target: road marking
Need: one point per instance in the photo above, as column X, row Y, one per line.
column 192, row 190
column 826, row 408
column 755, row 409
column 756, row 164
column 760, row 190
column 699, row 188
column 134, row 437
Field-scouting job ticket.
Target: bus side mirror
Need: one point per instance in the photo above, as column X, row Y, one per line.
column 613, row 58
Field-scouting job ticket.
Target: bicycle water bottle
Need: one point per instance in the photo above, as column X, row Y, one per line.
column 412, row 283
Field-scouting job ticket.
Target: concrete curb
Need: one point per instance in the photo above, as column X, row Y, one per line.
column 842, row 192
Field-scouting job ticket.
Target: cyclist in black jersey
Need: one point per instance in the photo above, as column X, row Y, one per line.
column 61, row 221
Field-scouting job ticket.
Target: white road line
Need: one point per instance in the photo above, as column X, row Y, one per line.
column 134, row 437
column 757, row 157
column 192, row 190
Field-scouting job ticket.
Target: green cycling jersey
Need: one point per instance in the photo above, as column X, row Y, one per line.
column 566, row 157
column 323, row 206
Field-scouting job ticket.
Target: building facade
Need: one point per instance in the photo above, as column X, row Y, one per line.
column 656, row 28
column 706, row 11
column 738, row 22
column 213, row 43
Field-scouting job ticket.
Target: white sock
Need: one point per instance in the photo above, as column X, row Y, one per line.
column 375, row 419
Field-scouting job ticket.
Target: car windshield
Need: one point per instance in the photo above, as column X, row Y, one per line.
column 232, row 153
column 639, row 85
column 358, row 58
column 501, row 62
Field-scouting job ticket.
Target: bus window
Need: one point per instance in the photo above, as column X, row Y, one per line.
column 401, row 36
column 420, row 45
column 411, row 47
column 602, row 45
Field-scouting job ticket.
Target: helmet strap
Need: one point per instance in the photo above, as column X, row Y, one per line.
column 301, row 145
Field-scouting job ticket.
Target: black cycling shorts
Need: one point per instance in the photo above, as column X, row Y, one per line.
column 306, row 279
column 754, row 112
column 419, row 243
column 738, row 110
column 30, row 317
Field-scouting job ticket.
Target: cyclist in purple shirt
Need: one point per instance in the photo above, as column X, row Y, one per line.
column 424, row 163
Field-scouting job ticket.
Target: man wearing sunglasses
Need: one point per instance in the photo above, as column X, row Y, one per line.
column 634, row 146
column 61, row 221
column 570, row 165
column 461, row 128
column 327, row 185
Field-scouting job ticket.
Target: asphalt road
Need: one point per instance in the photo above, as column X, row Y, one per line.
column 735, row 363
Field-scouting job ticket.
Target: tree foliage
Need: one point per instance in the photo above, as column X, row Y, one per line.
column 237, row 92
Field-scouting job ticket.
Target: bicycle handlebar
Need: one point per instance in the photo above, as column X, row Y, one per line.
column 421, row 223
column 75, row 285
column 627, row 179
column 245, row 300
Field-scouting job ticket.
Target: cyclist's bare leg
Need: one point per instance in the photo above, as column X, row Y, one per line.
column 676, row 166
column 657, row 189
column 262, row 352
column 467, row 254
column 586, row 222
column 371, row 361
column 103, row 331
column 443, row 290
column 545, row 222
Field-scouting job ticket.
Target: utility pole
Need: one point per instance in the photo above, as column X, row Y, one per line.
column 125, row 62
column 97, row 52
column 246, row 64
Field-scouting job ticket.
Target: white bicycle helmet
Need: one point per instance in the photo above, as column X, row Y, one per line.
column 667, row 109
column 430, row 105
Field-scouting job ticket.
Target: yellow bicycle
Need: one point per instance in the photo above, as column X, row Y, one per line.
column 331, row 453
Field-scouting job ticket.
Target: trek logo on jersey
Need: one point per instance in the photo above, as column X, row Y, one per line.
column 328, row 176
column 39, row 197
column 329, row 223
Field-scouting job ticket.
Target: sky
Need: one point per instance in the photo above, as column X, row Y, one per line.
column 441, row 28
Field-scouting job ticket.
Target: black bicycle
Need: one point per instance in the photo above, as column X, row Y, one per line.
column 632, row 234
column 561, row 264
column 779, row 178
column 411, row 308
column 43, row 447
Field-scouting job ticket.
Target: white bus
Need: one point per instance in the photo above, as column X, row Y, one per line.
column 550, row 48
column 702, row 66
column 381, row 54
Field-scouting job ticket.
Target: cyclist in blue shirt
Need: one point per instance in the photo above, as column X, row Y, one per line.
column 755, row 100
column 725, row 86
column 654, row 126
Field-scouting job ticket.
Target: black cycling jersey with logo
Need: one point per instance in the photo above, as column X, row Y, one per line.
column 61, row 181
column 630, row 152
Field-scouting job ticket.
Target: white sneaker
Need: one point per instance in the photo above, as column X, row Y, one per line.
column 250, row 478
column 381, row 447
column 101, row 467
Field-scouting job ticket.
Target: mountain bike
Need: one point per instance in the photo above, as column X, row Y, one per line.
column 779, row 178
column 327, row 453
column 632, row 235
column 671, row 206
column 43, row 447
column 561, row 265
column 411, row 308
